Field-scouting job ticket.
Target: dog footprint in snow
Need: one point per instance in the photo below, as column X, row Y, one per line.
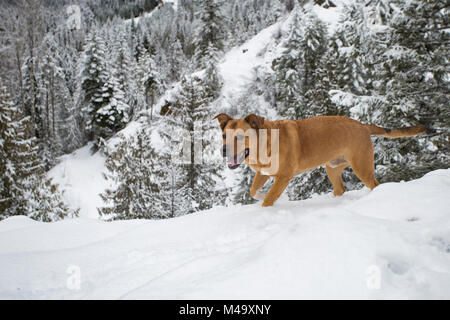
column 398, row 267
column 441, row 244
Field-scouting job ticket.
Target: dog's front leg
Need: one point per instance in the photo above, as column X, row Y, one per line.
column 258, row 182
column 277, row 189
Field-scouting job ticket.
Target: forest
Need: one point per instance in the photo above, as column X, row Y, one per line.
column 64, row 86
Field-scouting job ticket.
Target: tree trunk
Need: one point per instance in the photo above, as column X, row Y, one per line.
column 52, row 101
column 19, row 69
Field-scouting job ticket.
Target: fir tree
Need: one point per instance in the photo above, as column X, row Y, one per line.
column 135, row 193
column 104, row 102
column 287, row 71
column 353, row 35
column 171, row 184
column 210, row 34
column 25, row 189
column 417, row 89
column 45, row 203
column 19, row 162
column 192, row 111
column 297, row 69
column 150, row 80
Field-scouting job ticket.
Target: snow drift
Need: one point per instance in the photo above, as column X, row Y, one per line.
column 392, row 242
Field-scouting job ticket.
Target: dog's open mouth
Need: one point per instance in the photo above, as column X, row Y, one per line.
column 238, row 159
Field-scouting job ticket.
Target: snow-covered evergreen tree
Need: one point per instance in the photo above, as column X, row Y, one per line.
column 132, row 172
column 24, row 188
column 210, row 34
column 19, row 161
column 353, row 35
column 192, row 111
column 171, row 183
column 297, row 69
column 103, row 95
column 416, row 87
column 149, row 80
column 46, row 204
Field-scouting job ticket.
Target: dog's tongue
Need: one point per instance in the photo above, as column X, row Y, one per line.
column 233, row 162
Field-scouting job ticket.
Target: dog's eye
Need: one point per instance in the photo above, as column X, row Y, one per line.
column 224, row 137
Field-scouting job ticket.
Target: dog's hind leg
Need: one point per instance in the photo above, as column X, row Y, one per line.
column 277, row 189
column 363, row 166
column 335, row 177
column 258, row 182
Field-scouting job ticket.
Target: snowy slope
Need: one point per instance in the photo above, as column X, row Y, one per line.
column 173, row 3
column 80, row 176
column 392, row 242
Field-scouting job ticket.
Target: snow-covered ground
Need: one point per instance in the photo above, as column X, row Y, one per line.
column 173, row 3
column 392, row 242
column 80, row 176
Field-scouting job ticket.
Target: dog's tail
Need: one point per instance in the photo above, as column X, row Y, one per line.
column 397, row 132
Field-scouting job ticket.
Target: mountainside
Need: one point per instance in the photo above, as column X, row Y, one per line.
column 93, row 98
column 392, row 242
column 80, row 174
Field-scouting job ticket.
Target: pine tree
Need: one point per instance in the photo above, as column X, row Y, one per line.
column 297, row 69
column 287, row 70
column 169, row 176
column 353, row 35
column 416, row 90
column 192, row 111
column 103, row 94
column 313, row 48
column 68, row 117
column 19, row 161
column 49, row 82
column 25, row 189
column 125, row 67
column 210, row 34
column 45, row 203
column 32, row 98
column 135, row 192
column 149, row 80
column 176, row 59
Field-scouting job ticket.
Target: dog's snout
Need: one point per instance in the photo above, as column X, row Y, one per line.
column 224, row 151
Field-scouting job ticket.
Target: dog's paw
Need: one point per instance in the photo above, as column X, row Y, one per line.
column 267, row 204
column 259, row 195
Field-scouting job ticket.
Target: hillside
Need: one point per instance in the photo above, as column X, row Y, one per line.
column 144, row 78
column 80, row 174
column 323, row 247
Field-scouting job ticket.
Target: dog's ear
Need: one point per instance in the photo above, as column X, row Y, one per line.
column 223, row 119
column 254, row 121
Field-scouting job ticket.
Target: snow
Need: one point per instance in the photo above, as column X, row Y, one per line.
column 389, row 243
column 80, row 175
column 329, row 16
column 173, row 3
column 323, row 247
column 237, row 65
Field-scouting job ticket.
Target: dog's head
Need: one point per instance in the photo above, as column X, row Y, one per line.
column 237, row 144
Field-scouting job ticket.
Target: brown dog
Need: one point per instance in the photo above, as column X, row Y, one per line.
column 301, row 145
